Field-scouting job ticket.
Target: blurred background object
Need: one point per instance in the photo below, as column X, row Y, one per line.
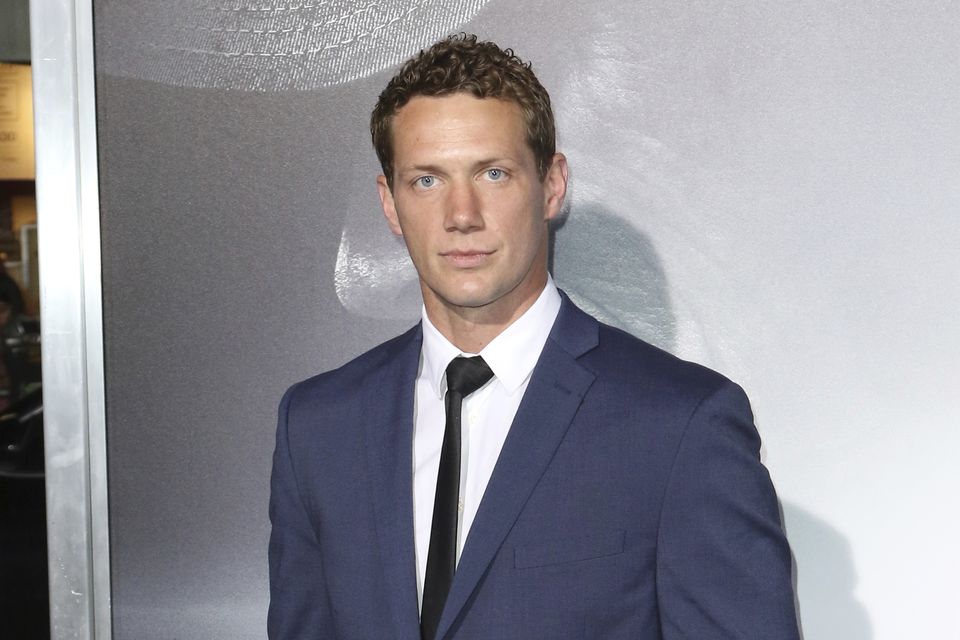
column 24, row 602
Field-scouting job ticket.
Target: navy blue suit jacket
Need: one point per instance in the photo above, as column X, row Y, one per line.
column 628, row 501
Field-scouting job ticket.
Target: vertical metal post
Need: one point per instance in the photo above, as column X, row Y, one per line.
column 71, row 318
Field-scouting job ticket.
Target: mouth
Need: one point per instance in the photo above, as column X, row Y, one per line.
column 466, row 258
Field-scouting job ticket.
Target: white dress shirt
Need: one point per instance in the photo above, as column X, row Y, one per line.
column 486, row 414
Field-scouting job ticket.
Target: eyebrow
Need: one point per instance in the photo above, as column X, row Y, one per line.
column 420, row 168
column 436, row 169
column 495, row 161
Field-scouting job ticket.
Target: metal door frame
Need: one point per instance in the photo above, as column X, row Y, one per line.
column 68, row 216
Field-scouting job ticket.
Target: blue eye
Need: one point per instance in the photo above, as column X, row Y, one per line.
column 495, row 174
column 426, row 181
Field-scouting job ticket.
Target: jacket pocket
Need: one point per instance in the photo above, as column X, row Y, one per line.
column 570, row 549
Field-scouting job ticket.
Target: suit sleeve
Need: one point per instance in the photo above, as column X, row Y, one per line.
column 299, row 606
column 723, row 563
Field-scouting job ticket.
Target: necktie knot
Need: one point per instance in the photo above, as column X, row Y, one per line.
column 466, row 375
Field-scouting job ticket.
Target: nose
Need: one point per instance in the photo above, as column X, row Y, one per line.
column 463, row 212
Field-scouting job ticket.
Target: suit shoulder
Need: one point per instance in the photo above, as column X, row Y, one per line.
column 624, row 357
column 627, row 365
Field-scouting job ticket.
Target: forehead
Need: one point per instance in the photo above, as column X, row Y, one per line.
column 458, row 110
column 459, row 121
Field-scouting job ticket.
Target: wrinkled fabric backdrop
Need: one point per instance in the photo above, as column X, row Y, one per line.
column 772, row 189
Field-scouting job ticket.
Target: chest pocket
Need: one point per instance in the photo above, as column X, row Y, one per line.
column 573, row 548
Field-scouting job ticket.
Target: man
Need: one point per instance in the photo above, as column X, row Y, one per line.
column 571, row 482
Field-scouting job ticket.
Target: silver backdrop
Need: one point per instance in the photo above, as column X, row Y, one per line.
column 770, row 189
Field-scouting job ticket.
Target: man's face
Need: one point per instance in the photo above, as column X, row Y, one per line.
column 469, row 203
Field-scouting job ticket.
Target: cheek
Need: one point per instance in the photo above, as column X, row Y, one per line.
column 529, row 230
column 415, row 244
column 422, row 245
column 520, row 220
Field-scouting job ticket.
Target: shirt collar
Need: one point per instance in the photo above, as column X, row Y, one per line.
column 511, row 356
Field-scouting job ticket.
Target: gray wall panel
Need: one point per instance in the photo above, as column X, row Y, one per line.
column 770, row 189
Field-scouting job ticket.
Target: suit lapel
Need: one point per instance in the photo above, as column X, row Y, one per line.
column 551, row 401
column 389, row 442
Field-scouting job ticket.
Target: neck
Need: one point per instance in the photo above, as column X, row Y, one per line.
column 470, row 329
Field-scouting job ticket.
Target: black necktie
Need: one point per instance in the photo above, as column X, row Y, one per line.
column 464, row 376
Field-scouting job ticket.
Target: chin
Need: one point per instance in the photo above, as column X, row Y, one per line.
column 471, row 297
column 473, row 293
column 476, row 297
column 469, row 301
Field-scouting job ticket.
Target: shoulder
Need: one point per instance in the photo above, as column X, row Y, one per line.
column 622, row 356
column 625, row 364
column 670, row 399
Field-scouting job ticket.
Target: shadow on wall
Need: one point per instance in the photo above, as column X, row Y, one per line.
column 611, row 270
column 825, row 579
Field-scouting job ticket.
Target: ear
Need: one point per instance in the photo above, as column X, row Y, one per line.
column 389, row 206
column 555, row 186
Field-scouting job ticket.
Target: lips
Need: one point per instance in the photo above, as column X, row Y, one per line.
column 466, row 258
